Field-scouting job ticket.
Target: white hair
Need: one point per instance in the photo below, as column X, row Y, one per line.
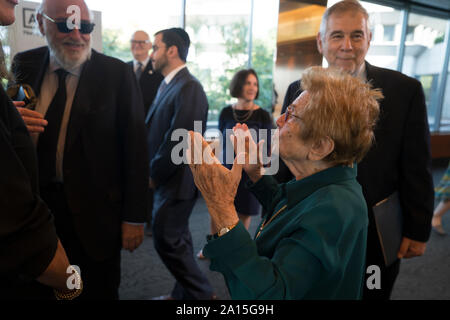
column 339, row 7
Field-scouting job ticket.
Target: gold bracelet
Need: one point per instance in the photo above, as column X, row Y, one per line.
column 225, row 230
column 72, row 294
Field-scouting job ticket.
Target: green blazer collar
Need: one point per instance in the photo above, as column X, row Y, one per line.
column 298, row 190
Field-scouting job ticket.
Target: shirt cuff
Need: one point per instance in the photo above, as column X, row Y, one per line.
column 227, row 244
column 134, row 223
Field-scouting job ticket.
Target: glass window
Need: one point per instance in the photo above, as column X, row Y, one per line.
column 298, row 25
column 445, row 116
column 385, row 23
column 119, row 22
column 389, row 32
column 264, row 35
column 219, row 35
column 424, row 56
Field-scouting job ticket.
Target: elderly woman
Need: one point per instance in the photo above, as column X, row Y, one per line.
column 312, row 242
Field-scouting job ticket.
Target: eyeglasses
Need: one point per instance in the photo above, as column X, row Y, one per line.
column 140, row 42
column 289, row 113
column 84, row 27
column 23, row 92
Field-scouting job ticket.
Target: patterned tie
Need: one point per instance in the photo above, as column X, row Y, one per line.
column 139, row 71
column 48, row 140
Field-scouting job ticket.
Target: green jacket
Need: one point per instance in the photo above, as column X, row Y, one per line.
column 314, row 249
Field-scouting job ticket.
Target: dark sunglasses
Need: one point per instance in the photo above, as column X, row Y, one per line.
column 23, row 92
column 84, row 28
column 289, row 113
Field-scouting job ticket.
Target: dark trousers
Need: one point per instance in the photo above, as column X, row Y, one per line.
column 173, row 242
column 101, row 279
column 388, row 275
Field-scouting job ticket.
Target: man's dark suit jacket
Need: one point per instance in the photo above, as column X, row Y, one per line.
column 148, row 83
column 105, row 157
column 181, row 103
column 27, row 236
column 400, row 158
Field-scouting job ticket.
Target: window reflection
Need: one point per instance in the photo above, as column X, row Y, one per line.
column 385, row 23
column 424, row 56
column 219, row 31
column 219, row 36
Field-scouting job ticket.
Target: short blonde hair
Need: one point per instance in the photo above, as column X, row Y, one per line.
column 342, row 107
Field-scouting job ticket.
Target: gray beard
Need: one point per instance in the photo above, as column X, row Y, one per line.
column 65, row 63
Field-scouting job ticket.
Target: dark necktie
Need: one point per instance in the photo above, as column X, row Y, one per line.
column 139, row 71
column 48, row 140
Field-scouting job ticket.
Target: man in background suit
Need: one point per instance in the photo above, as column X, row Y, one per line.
column 149, row 81
column 400, row 159
column 180, row 101
column 91, row 146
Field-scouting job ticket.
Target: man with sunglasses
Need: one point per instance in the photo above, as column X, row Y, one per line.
column 90, row 138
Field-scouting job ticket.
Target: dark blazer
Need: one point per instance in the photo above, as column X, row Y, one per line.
column 27, row 236
column 181, row 103
column 148, row 84
column 105, row 157
column 400, row 158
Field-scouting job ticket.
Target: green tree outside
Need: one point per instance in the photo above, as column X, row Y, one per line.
column 235, row 36
column 112, row 46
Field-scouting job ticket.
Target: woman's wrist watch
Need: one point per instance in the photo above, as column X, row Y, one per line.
column 225, row 230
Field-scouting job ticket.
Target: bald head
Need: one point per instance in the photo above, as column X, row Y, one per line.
column 70, row 48
column 140, row 35
column 58, row 8
column 140, row 45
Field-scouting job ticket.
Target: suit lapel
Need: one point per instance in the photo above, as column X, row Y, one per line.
column 36, row 85
column 148, row 71
column 155, row 105
column 372, row 75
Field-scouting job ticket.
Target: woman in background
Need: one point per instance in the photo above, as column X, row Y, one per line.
column 245, row 87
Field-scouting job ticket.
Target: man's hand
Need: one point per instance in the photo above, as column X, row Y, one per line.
column 34, row 121
column 411, row 248
column 132, row 236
